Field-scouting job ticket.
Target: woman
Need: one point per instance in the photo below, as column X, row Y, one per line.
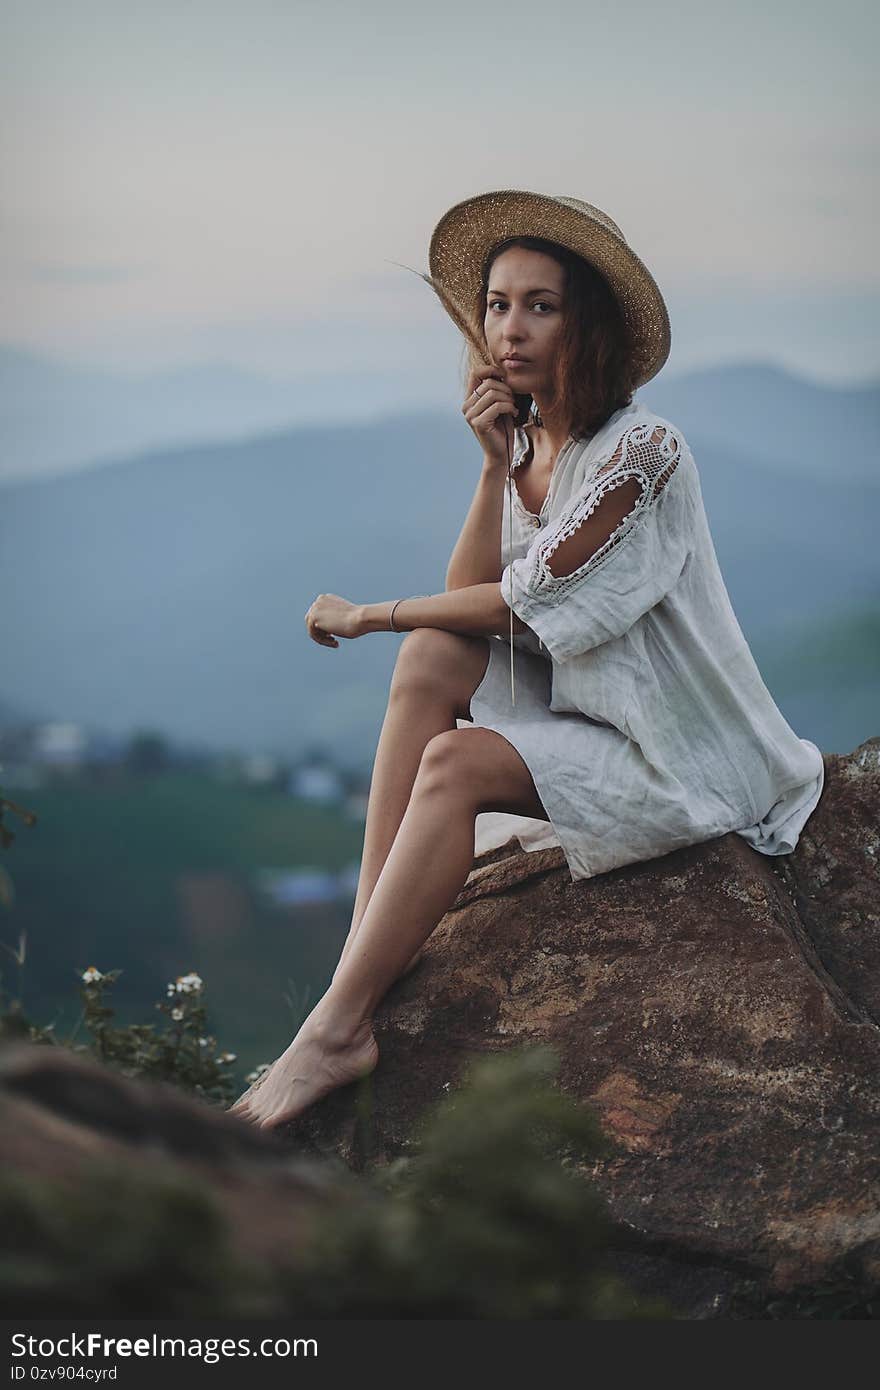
column 640, row 723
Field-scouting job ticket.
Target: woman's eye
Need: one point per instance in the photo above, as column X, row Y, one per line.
column 542, row 302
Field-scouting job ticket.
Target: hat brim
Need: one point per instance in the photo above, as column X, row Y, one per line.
column 464, row 236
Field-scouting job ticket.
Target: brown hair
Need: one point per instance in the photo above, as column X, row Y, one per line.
column 594, row 372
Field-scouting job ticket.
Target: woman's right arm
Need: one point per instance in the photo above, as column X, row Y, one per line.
column 488, row 409
column 476, row 558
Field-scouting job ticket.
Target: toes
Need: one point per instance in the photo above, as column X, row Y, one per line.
column 242, row 1110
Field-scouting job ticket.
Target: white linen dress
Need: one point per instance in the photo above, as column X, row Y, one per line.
column 638, row 709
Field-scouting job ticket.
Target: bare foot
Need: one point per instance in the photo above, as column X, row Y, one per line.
column 314, row 1064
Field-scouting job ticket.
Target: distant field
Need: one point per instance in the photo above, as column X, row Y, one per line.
column 154, row 876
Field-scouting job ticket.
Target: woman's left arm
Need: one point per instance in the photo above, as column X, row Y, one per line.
column 478, row 610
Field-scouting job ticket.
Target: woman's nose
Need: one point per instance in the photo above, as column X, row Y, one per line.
column 516, row 323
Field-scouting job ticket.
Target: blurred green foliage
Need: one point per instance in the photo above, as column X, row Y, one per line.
column 488, row 1218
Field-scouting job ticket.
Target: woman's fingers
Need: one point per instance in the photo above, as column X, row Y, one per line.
column 486, row 394
column 483, row 376
column 478, row 411
column 489, row 399
column 317, row 634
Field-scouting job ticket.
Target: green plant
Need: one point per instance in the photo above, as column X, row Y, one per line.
column 180, row 1050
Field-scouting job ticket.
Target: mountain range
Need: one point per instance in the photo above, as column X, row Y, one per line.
column 167, row 589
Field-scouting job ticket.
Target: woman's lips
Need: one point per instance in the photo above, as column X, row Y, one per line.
column 515, row 362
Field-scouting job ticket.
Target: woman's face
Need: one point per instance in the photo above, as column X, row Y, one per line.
column 524, row 316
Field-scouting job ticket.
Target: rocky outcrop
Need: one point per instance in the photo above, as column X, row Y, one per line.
column 717, row 1008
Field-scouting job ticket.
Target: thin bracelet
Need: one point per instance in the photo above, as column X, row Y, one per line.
column 392, row 628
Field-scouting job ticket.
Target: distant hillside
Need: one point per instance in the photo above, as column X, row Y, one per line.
column 826, row 677
column 55, row 417
column 58, row 418
column 773, row 416
column 169, row 589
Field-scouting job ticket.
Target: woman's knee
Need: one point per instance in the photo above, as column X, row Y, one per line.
column 439, row 662
column 444, row 765
column 481, row 769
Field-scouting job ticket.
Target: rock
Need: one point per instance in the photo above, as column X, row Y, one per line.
column 61, row 1114
column 717, row 1008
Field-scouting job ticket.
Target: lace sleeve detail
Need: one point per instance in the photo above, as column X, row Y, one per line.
column 605, row 515
column 613, row 553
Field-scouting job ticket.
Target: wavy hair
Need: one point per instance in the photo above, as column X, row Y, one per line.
column 593, row 371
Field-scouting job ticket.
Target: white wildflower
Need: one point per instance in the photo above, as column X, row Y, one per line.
column 177, row 1015
column 186, row 984
column 227, row 1057
column 91, row 976
column 203, row 1042
column 258, row 1071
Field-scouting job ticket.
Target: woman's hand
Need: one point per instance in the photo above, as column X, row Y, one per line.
column 489, row 404
column 331, row 614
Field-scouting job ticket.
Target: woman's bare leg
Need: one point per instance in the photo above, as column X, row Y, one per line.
column 461, row 772
column 434, row 677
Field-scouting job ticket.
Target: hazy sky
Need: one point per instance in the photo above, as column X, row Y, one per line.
column 195, row 181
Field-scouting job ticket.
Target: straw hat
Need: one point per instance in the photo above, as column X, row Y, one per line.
column 464, row 236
